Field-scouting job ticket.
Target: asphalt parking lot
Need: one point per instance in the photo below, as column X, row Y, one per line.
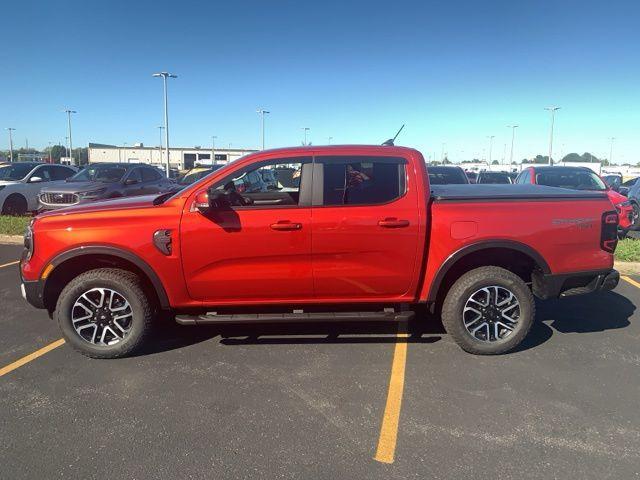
column 325, row 401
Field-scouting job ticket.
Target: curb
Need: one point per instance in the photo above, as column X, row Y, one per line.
column 627, row 268
column 11, row 239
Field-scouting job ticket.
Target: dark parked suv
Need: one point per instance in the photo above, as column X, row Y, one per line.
column 105, row 180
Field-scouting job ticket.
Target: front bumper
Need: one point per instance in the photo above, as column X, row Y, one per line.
column 569, row 284
column 33, row 292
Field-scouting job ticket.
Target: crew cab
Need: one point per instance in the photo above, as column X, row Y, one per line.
column 352, row 233
column 581, row 178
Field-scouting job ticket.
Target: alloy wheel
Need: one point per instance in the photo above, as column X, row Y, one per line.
column 102, row 316
column 491, row 313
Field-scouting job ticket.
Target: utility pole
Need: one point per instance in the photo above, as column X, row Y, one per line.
column 213, row 149
column 160, row 128
column 50, row 160
column 262, row 113
column 164, row 76
column 551, row 109
column 11, row 143
column 305, row 129
column 490, row 137
column 513, row 136
column 69, row 112
column 611, row 151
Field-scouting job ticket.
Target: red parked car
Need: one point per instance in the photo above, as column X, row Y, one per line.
column 354, row 233
column 579, row 178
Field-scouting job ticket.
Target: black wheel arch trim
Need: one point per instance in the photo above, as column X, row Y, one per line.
column 125, row 255
column 483, row 245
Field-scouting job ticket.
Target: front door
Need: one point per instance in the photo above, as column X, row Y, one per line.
column 258, row 250
column 365, row 229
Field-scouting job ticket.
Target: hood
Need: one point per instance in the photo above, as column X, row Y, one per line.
column 125, row 203
column 615, row 197
column 8, row 182
column 73, row 187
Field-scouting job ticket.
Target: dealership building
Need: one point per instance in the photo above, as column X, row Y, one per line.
column 181, row 158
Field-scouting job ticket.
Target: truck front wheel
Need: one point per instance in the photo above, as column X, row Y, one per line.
column 104, row 313
column 488, row 311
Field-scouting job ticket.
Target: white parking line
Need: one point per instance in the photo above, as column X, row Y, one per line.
column 10, row 263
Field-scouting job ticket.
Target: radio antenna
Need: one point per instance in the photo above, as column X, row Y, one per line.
column 390, row 142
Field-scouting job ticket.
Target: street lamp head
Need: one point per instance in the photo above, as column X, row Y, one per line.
column 165, row 74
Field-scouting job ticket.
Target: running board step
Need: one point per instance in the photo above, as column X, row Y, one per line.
column 210, row 319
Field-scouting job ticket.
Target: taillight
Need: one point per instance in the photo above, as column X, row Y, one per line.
column 609, row 235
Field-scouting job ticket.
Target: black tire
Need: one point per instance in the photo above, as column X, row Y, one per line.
column 453, row 310
column 15, row 205
column 127, row 284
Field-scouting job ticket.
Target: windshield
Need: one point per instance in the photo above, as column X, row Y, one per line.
column 194, row 175
column 102, row 173
column 573, row 179
column 16, row 171
column 446, row 176
column 494, row 178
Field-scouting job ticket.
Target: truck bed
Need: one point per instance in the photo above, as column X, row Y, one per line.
column 509, row 192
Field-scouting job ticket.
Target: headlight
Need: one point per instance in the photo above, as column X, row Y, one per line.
column 92, row 193
column 29, row 241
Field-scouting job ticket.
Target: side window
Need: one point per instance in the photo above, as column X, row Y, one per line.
column 276, row 182
column 45, row 173
column 523, row 178
column 361, row 180
column 62, row 173
column 150, row 175
column 135, row 175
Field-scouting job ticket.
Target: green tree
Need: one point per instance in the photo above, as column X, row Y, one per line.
column 58, row 151
column 495, row 162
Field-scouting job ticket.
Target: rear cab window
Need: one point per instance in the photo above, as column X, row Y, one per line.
column 358, row 180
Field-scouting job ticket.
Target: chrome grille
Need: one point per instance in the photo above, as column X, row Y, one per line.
column 53, row 198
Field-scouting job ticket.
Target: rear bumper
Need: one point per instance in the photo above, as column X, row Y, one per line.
column 569, row 284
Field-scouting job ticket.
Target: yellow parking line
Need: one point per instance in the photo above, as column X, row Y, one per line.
column 32, row 356
column 389, row 429
column 631, row 281
column 9, row 264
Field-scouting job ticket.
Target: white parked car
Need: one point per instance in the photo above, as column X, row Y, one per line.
column 20, row 184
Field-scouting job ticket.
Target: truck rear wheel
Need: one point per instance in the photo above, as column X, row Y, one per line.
column 104, row 313
column 488, row 311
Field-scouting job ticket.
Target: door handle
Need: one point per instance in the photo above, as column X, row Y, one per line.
column 284, row 225
column 393, row 222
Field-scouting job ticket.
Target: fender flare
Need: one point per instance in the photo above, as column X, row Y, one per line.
column 483, row 245
column 125, row 255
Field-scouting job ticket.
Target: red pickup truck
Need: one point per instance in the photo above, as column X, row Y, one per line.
column 341, row 233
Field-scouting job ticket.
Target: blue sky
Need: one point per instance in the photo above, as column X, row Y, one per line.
column 453, row 71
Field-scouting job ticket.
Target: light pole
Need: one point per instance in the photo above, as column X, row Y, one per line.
column 125, row 153
column 329, row 140
column 69, row 112
column 213, row 149
column 490, row 137
column 160, row 128
column 611, row 151
column 11, row 143
column 305, row 129
column 513, row 136
column 551, row 109
column 50, row 160
column 262, row 112
column 442, row 157
column 164, row 76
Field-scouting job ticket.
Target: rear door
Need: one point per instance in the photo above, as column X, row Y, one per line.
column 365, row 228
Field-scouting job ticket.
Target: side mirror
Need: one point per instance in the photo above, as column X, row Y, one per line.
column 130, row 181
column 202, row 202
column 36, row 180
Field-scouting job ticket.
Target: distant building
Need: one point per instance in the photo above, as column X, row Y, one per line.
column 179, row 157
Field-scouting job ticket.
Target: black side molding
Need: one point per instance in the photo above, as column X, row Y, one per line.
column 125, row 255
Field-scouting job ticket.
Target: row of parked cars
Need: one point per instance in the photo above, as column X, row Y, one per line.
column 27, row 187
column 625, row 196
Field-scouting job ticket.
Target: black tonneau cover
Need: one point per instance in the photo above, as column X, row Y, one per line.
column 509, row 192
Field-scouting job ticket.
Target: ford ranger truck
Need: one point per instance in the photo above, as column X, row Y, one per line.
column 340, row 233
